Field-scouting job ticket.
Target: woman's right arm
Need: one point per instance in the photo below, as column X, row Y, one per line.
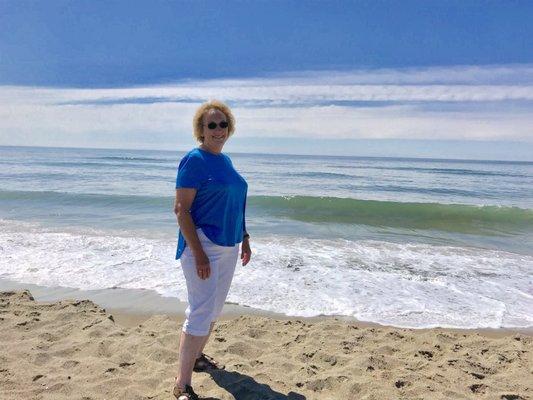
column 182, row 209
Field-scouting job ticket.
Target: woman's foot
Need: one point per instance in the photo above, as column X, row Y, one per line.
column 184, row 392
column 205, row 363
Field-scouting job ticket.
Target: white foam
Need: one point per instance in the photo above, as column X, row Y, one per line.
column 407, row 285
column 88, row 261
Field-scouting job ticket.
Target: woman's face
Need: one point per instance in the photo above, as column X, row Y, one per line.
column 214, row 139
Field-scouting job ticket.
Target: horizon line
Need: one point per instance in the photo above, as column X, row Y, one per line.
column 292, row 154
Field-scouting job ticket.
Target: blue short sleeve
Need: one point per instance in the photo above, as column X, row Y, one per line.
column 218, row 207
column 191, row 173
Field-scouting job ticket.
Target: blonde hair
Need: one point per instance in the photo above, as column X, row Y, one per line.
column 198, row 119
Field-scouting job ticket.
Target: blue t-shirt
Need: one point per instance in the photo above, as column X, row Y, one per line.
column 220, row 202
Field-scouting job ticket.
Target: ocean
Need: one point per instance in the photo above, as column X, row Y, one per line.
column 405, row 242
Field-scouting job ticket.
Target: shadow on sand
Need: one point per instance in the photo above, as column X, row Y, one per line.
column 244, row 387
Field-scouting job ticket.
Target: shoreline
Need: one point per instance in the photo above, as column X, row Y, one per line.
column 131, row 307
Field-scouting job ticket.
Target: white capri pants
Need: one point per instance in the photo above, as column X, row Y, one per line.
column 207, row 296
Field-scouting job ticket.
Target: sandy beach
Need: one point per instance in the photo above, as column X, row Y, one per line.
column 74, row 349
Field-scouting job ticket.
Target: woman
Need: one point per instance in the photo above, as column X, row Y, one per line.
column 210, row 208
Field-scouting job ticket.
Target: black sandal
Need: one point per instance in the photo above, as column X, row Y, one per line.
column 184, row 393
column 205, row 363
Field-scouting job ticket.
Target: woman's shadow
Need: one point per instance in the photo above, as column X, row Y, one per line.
column 244, row 387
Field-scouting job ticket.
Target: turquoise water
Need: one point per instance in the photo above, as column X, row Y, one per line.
column 439, row 230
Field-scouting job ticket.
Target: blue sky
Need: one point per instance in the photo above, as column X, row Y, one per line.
column 130, row 74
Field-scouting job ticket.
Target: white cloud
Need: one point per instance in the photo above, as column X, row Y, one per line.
column 275, row 94
column 385, row 122
column 308, row 104
column 465, row 75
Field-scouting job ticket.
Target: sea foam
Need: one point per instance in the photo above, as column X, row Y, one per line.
column 407, row 285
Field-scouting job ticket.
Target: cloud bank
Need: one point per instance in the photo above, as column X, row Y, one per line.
column 456, row 103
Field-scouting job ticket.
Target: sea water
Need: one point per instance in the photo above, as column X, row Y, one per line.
column 406, row 242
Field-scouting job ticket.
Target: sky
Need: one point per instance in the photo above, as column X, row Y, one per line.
column 446, row 79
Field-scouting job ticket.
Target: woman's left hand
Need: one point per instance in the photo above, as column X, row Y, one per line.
column 246, row 252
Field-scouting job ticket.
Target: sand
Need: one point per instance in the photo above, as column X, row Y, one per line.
column 74, row 349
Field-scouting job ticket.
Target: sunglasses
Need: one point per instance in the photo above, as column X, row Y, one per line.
column 213, row 125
